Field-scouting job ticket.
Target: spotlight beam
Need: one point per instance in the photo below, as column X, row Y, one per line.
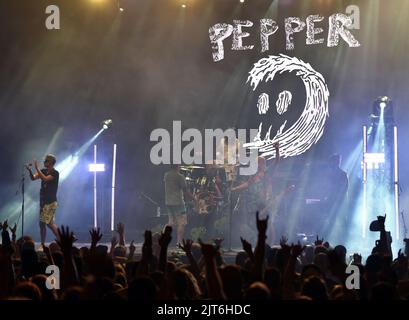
column 396, row 181
column 68, row 164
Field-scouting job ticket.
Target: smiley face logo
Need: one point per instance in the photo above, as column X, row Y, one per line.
column 309, row 127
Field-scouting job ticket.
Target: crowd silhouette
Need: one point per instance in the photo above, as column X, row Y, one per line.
column 117, row 272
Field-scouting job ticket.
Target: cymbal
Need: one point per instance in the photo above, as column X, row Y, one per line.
column 222, row 166
column 186, row 168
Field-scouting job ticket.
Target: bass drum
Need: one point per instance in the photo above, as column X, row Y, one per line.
column 205, row 202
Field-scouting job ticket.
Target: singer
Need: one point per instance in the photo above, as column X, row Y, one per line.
column 48, row 194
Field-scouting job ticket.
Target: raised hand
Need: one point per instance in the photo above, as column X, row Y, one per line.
column 47, row 252
column 261, row 224
column 246, row 245
column 381, row 220
column 165, row 237
column 120, row 228
column 46, row 249
column 297, row 249
column 14, row 229
column 132, row 249
column 401, row 257
column 147, row 246
column 218, row 242
column 13, row 232
column 96, row 236
column 208, row 250
column 283, row 241
column 66, row 239
column 285, row 248
column 406, row 246
column 357, row 258
column 4, row 225
column 114, row 242
column 319, row 241
column 186, row 246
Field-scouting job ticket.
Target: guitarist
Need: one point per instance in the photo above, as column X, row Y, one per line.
column 259, row 188
column 175, row 192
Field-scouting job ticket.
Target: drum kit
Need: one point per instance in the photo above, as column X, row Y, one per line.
column 209, row 185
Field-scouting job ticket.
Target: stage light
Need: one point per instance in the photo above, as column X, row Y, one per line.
column 382, row 110
column 241, row 1
column 67, row 165
column 106, row 124
column 120, row 8
column 374, row 160
column 183, row 5
column 374, row 157
column 96, row 167
column 383, row 102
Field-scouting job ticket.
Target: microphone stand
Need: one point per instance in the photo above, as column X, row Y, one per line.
column 232, row 208
column 230, row 215
column 153, row 202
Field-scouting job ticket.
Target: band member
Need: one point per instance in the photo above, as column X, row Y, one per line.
column 48, row 194
column 335, row 196
column 214, row 182
column 258, row 195
column 260, row 182
column 337, row 180
column 175, row 193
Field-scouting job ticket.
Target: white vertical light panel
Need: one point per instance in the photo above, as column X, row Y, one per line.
column 396, row 180
column 113, row 189
column 95, row 187
column 364, row 180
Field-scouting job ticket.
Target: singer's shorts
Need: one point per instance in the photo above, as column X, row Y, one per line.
column 47, row 212
column 177, row 215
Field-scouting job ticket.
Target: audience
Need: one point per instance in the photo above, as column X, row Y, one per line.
column 288, row 272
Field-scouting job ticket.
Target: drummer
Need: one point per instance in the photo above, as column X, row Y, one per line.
column 214, row 181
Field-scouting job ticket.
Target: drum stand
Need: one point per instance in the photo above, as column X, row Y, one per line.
column 232, row 209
